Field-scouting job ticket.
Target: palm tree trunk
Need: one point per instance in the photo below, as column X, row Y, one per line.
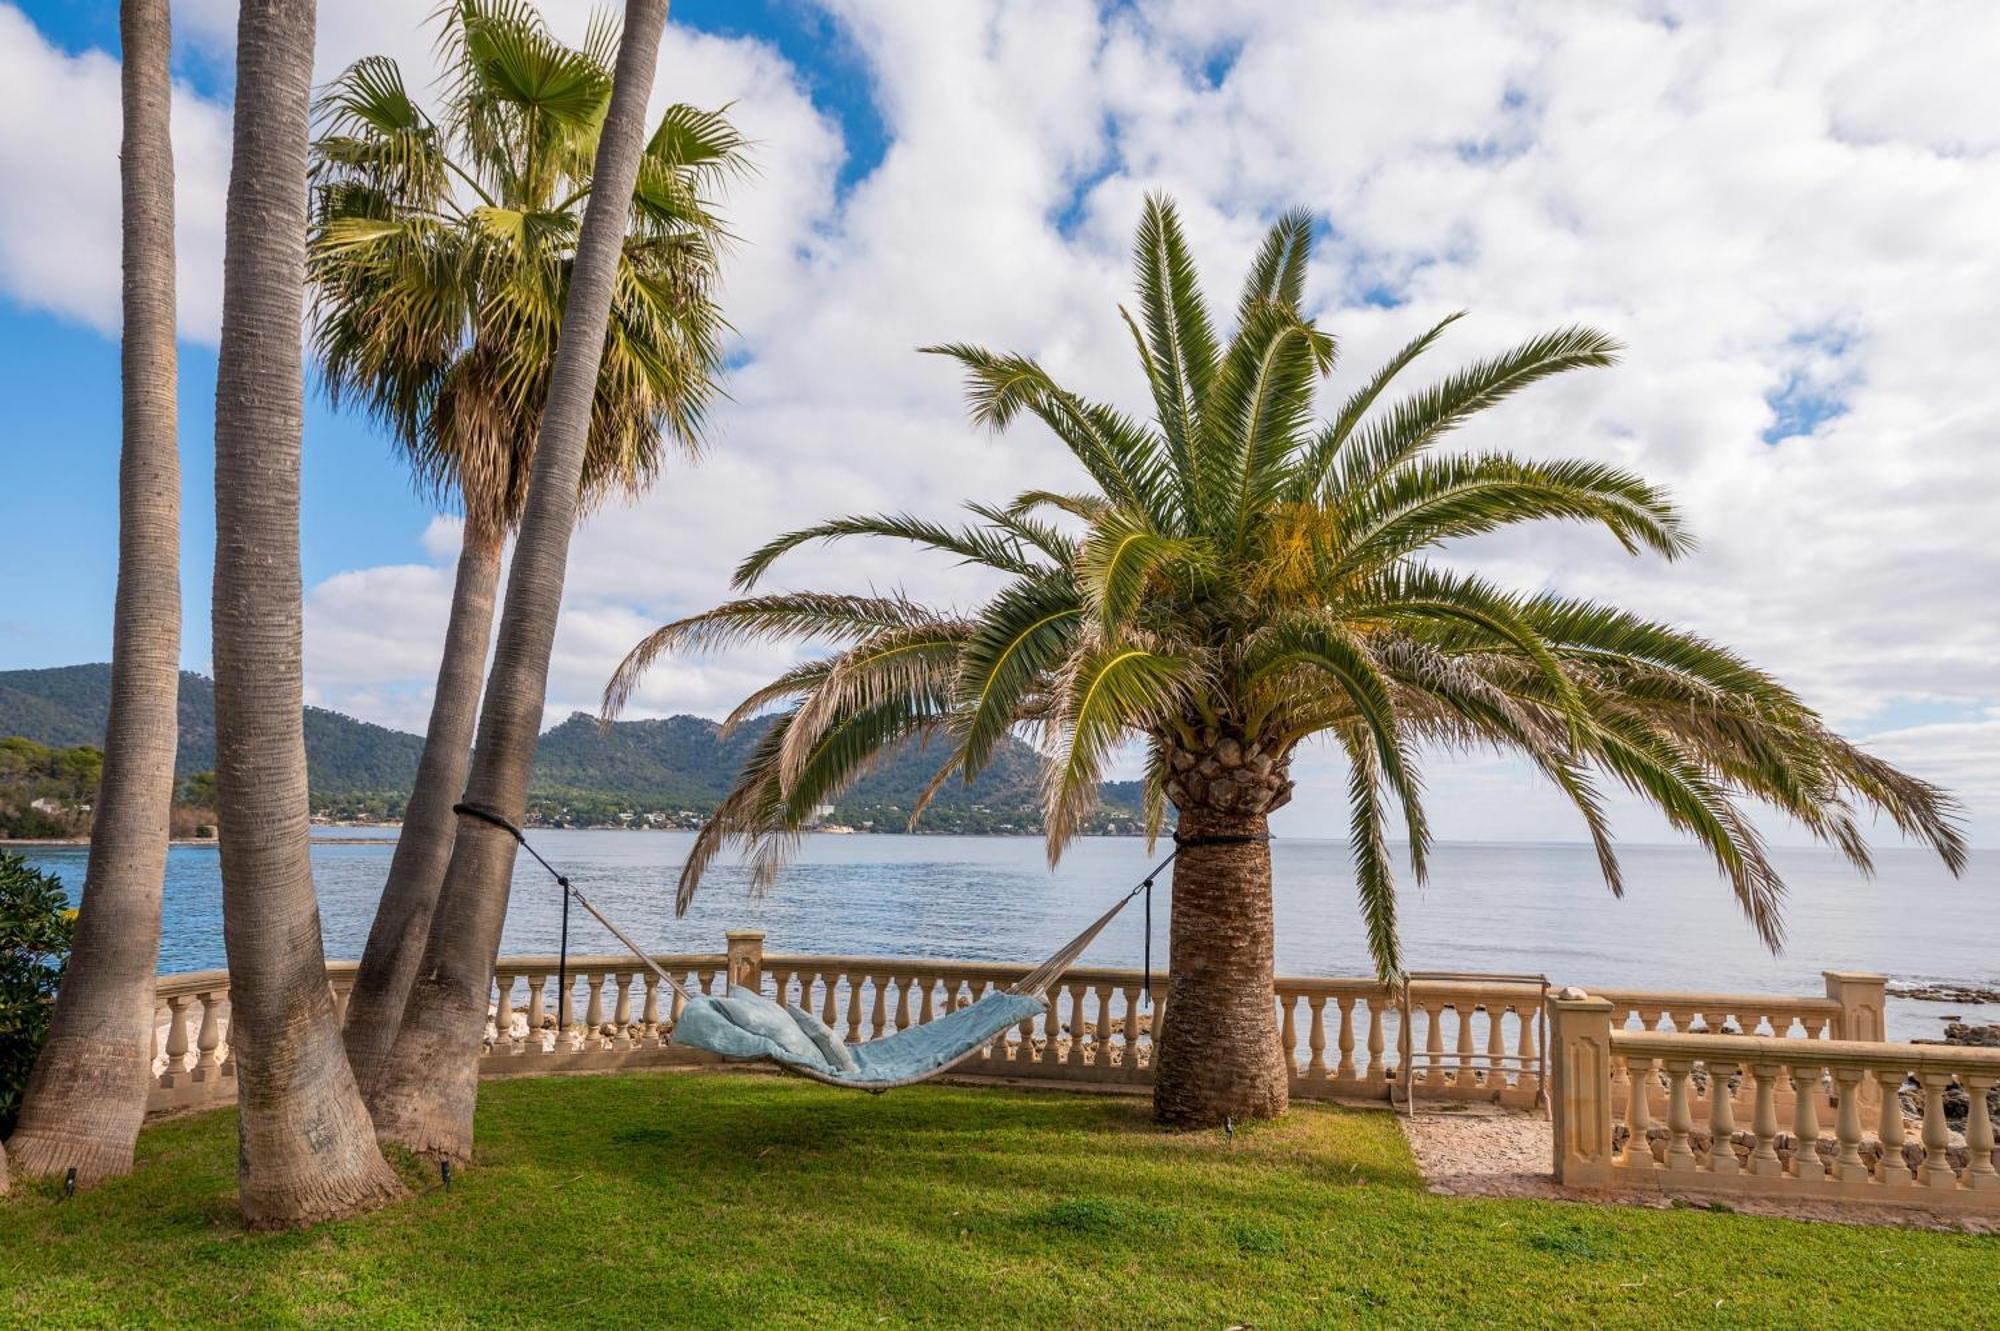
column 306, row 1149
column 87, row 1094
column 1218, row 1055
column 423, row 1098
column 423, row 848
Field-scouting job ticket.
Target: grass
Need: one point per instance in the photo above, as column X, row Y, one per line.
column 709, row 1200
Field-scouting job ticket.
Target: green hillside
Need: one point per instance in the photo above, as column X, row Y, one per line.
column 678, row 767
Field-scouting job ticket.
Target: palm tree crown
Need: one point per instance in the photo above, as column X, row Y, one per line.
column 1242, row 576
column 441, row 256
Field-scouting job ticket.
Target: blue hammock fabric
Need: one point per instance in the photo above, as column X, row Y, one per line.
column 744, row 1026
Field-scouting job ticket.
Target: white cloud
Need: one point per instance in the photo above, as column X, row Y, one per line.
column 1778, row 203
column 59, row 134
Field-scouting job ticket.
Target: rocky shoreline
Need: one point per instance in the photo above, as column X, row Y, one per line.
column 1927, row 992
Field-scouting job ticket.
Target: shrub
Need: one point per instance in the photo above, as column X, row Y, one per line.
column 35, row 928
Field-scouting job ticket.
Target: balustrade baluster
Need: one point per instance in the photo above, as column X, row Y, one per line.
column 1376, row 1070
column 1496, row 1044
column 565, row 1009
column 593, row 1013
column 622, row 1017
column 153, row 1047
column 1433, row 1066
column 679, row 1004
column 1638, row 1113
column 1462, row 1013
column 1891, row 1170
column 341, row 990
column 1131, row 1052
column 1316, row 1039
column 854, row 983
column 1023, row 1050
column 1073, row 1048
column 1721, row 1119
column 649, row 1012
column 177, row 1040
column 209, row 1039
column 1981, row 1173
column 1938, row 1172
column 1106, row 1028
column 903, row 984
column 1805, row 1124
column 878, row 1011
column 830, row 1014
column 503, row 1012
column 1288, row 1034
column 1764, row 1160
column 927, row 1013
column 536, row 985
column 1848, row 1166
column 1680, row 1115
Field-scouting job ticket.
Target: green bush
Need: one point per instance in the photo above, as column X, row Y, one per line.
column 35, row 928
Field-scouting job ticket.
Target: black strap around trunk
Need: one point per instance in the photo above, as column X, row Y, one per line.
column 562, row 955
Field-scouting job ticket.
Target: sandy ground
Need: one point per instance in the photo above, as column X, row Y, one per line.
column 1481, row 1151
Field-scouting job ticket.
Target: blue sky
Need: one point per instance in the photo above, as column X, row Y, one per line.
column 1784, row 211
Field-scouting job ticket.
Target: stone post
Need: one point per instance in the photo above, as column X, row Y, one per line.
column 1860, row 995
column 1580, row 1108
column 746, row 958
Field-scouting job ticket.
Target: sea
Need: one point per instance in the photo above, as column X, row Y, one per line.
column 1512, row 908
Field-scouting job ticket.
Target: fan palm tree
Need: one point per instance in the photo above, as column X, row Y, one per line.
column 440, row 258
column 87, row 1094
column 423, row 1096
column 1239, row 577
column 307, row 1150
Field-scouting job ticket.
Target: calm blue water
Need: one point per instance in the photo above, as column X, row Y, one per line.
column 1535, row 908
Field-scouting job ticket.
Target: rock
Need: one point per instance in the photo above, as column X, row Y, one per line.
column 1943, row 993
column 1964, row 1033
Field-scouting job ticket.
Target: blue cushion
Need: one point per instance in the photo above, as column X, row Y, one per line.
column 746, row 1025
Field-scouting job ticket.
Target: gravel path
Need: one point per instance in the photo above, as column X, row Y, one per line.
column 1483, row 1151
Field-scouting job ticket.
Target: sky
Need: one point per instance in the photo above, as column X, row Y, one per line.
column 1785, row 210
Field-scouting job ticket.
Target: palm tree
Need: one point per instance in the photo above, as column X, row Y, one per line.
column 87, row 1094
column 1238, row 578
column 307, row 1150
column 423, row 1097
column 440, row 258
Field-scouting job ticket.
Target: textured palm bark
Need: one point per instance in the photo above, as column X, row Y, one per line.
column 306, row 1150
column 423, row 849
column 423, row 1098
column 1218, row 1057
column 87, row 1094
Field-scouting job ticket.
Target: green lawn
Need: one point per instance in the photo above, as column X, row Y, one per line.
column 708, row 1200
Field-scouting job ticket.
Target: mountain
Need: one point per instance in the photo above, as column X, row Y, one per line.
column 68, row 705
column 680, row 766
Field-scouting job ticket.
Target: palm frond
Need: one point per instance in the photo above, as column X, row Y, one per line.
column 972, row 545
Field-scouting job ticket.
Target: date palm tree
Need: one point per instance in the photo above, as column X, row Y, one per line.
column 87, row 1094
column 1239, row 577
column 440, row 258
column 306, row 1148
column 423, row 1096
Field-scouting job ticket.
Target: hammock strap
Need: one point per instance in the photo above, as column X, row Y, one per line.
column 1036, row 982
column 570, row 890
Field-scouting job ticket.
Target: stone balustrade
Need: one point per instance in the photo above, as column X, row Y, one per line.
column 1466, row 1039
column 1765, row 1116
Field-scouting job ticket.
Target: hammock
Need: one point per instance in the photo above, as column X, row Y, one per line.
column 744, row 1026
